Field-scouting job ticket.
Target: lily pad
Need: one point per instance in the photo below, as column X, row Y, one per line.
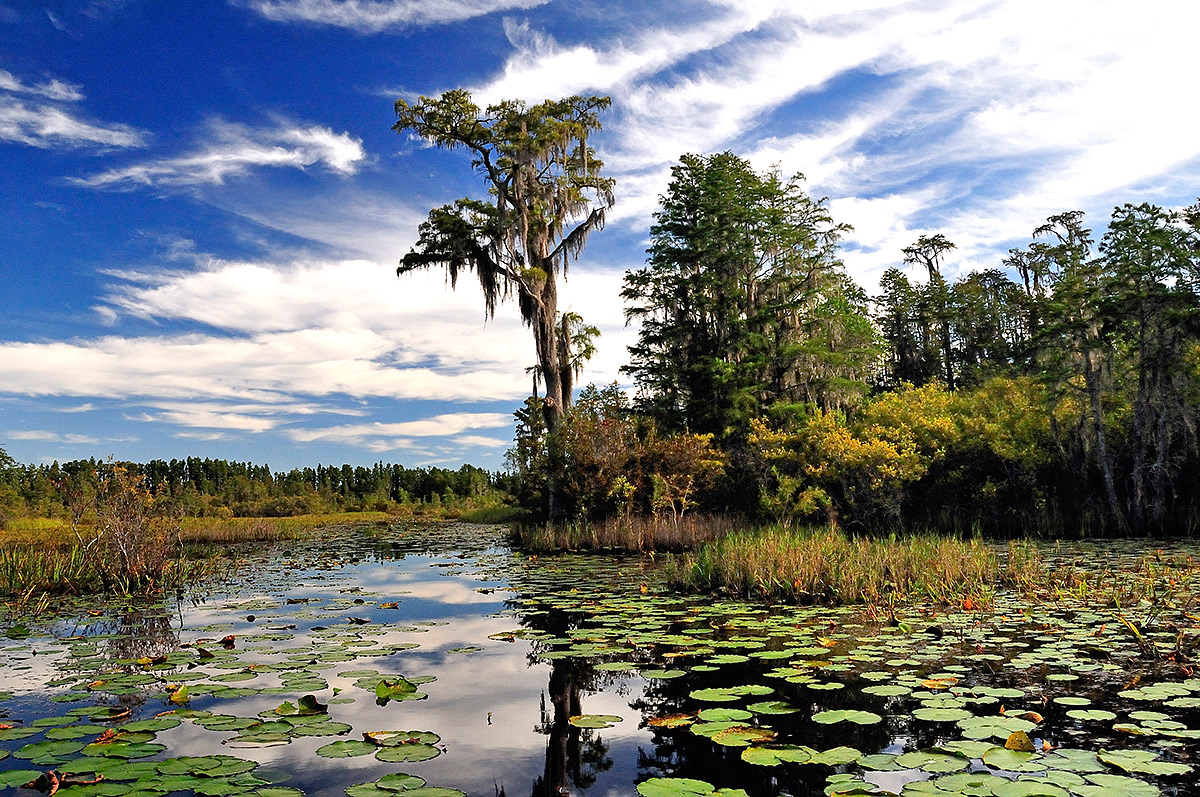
column 856, row 716
column 595, row 720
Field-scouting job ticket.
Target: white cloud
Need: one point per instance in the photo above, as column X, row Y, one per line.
column 375, row 16
column 480, row 440
column 46, row 126
column 234, row 150
column 53, row 89
column 1008, row 110
column 43, row 118
column 46, row 436
column 436, row 426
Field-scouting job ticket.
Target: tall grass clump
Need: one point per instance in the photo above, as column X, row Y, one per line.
column 827, row 566
column 658, row 532
column 228, row 530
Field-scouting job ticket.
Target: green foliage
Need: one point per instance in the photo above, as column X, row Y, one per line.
column 904, row 442
column 742, row 303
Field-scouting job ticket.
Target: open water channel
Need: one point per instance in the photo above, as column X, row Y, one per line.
column 431, row 660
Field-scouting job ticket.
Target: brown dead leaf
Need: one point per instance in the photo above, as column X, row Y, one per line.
column 1020, row 742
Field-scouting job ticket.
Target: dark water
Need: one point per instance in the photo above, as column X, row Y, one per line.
column 508, row 649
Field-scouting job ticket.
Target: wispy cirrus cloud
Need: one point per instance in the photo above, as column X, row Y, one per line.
column 42, row 115
column 437, row 426
column 234, row 150
column 932, row 115
column 53, row 88
column 376, row 16
column 47, row 436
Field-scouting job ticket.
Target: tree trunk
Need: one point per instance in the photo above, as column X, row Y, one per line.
column 1092, row 381
column 554, row 403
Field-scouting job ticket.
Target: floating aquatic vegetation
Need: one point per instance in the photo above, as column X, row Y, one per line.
column 930, row 695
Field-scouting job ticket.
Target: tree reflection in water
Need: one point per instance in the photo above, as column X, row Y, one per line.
column 574, row 756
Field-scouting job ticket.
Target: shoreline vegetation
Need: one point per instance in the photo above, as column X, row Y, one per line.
column 84, row 527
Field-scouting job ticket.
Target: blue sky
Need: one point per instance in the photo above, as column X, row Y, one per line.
column 202, row 204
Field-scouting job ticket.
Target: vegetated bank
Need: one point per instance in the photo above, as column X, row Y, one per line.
column 1053, row 395
column 87, row 526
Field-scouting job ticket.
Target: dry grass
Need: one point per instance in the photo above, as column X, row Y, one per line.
column 826, row 566
column 636, row 533
column 45, row 556
column 257, row 529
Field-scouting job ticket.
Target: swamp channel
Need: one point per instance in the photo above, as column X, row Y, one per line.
column 431, row 660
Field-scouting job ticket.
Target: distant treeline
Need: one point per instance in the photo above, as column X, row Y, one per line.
column 217, row 487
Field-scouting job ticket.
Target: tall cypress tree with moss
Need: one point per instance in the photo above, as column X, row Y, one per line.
column 546, row 197
column 739, row 301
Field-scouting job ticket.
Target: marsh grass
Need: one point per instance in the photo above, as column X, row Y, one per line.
column 125, row 552
column 268, row 529
column 633, row 533
column 826, row 566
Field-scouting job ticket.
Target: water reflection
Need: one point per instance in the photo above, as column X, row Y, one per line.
column 574, row 756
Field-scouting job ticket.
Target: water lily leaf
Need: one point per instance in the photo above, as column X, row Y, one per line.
column 673, row 721
column 1019, row 741
column 772, row 707
column 724, row 715
column 880, row 762
column 400, row 738
column 932, row 761
column 1143, row 761
column 847, row 715
column 52, row 747
column 998, row 727
column 595, row 720
column 941, row 714
column 835, row 756
column 153, row 725
column 346, row 748
column 774, row 756
column 398, row 688
column 683, row 787
column 743, row 736
column 887, row 690
column 307, row 705
column 1105, row 785
column 976, row 784
column 1029, row 788
column 406, row 753
column 1012, row 760
column 1071, row 760
column 15, row 777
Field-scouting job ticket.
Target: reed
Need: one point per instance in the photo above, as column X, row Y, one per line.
column 267, row 529
column 827, row 566
column 632, row 533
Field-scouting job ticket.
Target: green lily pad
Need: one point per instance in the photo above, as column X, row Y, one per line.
column 774, row 756
column 683, row 787
column 346, row 748
column 1142, row 761
column 595, row 720
column 847, row 715
column 724, row 715
column 772, row 707
column 407, row 753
